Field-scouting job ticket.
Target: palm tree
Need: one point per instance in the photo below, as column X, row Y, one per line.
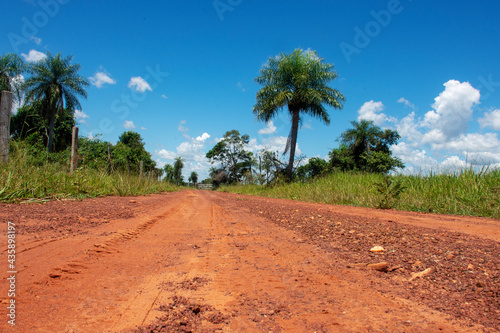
column 55, row 81
column 11, row 67
column 298, row 80
column 169, row 172
column 193, row 178
column 178, row 165
column 370, row 147
column 362, row 137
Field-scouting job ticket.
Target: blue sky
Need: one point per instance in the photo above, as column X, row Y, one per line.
column 181, row 73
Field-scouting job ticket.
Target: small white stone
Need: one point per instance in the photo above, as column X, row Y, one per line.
column 377, row 249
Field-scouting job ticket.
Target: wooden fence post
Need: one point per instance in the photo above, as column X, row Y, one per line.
column 73, row 165
column 141, row 166
column 5, row 110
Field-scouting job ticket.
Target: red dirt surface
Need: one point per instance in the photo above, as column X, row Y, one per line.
column 195, row 261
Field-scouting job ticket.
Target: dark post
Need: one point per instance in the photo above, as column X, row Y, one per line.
column 74, row 150
column 5, row 109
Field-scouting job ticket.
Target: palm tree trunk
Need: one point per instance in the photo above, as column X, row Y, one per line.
column 293, row 143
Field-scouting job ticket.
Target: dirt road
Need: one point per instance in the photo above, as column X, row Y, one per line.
column 204, row 261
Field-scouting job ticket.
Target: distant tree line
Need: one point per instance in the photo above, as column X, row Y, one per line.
column 364, row 148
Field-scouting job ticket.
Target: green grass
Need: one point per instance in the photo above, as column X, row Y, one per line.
column 461, row 193
column 22, row 179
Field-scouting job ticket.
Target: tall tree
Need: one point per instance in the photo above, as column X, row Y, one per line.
column 11, row 66
column 193, row 178
column 314, row 168
column 130, row 150
column 178, row 166
column 93, row 152
column 366, row 147
column 273, row 166
column 298, row 80
column 55, row 81
column 169, row 173
column 361, row 138
column 231, row 153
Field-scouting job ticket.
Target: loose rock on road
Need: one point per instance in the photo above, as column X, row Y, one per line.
column 205, row 261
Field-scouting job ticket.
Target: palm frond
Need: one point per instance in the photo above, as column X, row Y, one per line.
column 298, row 80
column 55, row 80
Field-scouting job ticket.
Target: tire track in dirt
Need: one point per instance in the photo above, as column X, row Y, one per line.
column 201, row 262
column 70, row 256
column 107, row 245
column 280, row 283
column 264, row 278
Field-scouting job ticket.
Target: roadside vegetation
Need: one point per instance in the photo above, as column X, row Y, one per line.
column 465, row 192
column 35, row 167
column 35, row 176
column 361, row 171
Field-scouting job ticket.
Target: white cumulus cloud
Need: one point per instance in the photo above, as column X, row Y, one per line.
column 453, row 163
column 274, row 143
column 128, row 124
column 16, row 82
column 473, row 141
column 408, row 128
column 406, row 102
column 269, row 129
column 417, row 159
column 101, row 78
column 80, row 116
column 166, row 154
column 439, row 141
column 452, row 111
column 192, row 150
column 181, row 128
column 371, row 111
column 33, row 56
column 491, row 119
column 203, row 137
column 138, row 84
